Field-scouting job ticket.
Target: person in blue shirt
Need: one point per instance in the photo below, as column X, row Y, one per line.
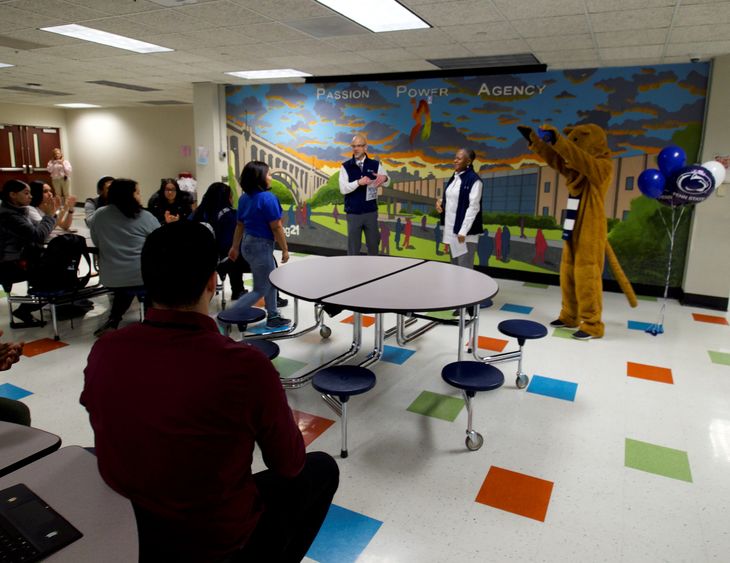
column 258, row 227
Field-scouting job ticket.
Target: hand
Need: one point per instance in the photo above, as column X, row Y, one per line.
column 70, row 201
column 380, row 179
column 364, row 181
column 10, row 353
column 460, row 238
column 49, row 206
column 170, row 218
column 439, row 207
column 284, row 256
column 233, row 254
column 526, row 132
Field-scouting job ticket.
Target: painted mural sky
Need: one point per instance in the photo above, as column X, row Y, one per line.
column 418, row 124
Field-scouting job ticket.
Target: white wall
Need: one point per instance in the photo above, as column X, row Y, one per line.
column 16, row 114
column 707, row 271
column 145, row 144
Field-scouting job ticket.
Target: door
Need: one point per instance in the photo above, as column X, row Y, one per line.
column 25, row 151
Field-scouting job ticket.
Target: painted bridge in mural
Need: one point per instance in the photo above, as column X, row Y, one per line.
column 299, row 176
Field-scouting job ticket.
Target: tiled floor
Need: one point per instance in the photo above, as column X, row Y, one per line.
column 619, row 450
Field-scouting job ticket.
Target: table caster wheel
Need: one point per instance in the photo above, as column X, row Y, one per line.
column 476, row 443
column 325, row 331
column 522, row 381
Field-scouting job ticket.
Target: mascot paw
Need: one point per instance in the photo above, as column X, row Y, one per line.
column 525, row 131
column 547, row 135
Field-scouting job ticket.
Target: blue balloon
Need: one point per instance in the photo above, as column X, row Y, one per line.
column 670, row 160
column 651, row 183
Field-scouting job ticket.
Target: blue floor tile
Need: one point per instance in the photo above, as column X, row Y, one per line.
column 638, row 325
column 516, row 308
column 343, row 537
column 10, row 391
column 555, row 388
column 261, row 329
column 396, row 355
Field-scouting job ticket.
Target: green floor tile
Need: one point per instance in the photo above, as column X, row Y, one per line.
column 248, row 282
column 658, row 460
column 719, row 357
column 566, row 333
column 536, row 285
column 300, row 254
column 446, row 315
column 287, row 367
column 437, row 406
column 646, row 298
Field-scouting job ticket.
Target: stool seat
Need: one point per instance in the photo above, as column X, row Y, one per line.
column 241, row 316
column 522, row 329
column 472, row 376
column 343, row 381
column 267, row 347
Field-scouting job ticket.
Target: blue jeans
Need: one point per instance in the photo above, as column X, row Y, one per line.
column 259, row 253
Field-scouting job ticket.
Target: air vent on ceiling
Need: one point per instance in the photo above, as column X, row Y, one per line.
column 486, row 62
column 163, row 103
column 173, row 3
column 327, row 26
column 123, row 86
column 19, row 44
column 40, row 91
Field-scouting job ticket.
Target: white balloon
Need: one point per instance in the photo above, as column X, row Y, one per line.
column 717, row 170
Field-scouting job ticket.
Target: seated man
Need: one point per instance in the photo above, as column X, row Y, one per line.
column 176, row 408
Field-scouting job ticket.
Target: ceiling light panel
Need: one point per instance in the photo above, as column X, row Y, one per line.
column 105, row 38
column 5, row 65
column 377, row 15
column 77, row 105
column 272, row 73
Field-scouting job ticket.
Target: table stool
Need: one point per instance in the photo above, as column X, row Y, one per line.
column 343, row 382
column 239, row 317
column 522, row 330
column 472, row 377
column 270, row 349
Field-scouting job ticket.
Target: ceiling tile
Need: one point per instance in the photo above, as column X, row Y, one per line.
column 285, row 9
column 552, row 26
column 692, row 33
column 480, row 32
column 57, row 9
column 584, row 41
column 627, row 38
column 505, row 47
column 222, row 13
column 414, row 37
column 703, row 49
column 529, row 9
column 619, row 5
column 632, row 19
column 632, row 52
column 454, row 13
column 703, row 14
column 439, row 51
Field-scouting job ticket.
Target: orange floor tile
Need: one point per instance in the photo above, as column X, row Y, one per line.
column 652, row 373
column 366, row 320
column 41, row 346
column 311, row 426
column 495, row 344
column 709, row 319
column 516, row 492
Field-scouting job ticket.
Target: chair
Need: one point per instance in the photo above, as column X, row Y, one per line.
column 240, row 317
column 522, row 330
column 472, row 377
column 269, row 348
column 343, row 382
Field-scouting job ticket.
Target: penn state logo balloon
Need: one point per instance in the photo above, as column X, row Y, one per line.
column 693, row 184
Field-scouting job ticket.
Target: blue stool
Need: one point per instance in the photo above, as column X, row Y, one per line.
column 522, row 330
column 343, row 382
column 239, row 317
column 270, row 349
column 472, row 377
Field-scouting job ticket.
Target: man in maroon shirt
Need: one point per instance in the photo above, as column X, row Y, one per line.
column 176, row 408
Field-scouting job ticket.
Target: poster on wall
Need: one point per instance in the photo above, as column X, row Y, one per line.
column 414, row 127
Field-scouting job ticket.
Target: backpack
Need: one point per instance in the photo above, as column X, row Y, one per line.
column 58, row 267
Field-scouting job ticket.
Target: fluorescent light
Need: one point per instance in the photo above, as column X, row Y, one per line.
column 111, row 39
column 378, row 15
column 77, row 105
column 273, row 73
column 5, row 65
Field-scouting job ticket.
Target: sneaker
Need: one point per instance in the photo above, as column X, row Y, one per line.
column 277, row 321
column 106, row 327
column 281, row 302
column 580, row 335
column 557, row 323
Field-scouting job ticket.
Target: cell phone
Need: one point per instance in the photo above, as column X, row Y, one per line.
column 371, row 175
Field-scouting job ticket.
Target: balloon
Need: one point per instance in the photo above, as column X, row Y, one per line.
column 651, row 183
column 717, row 170
column 691, row 184
column 670, row 160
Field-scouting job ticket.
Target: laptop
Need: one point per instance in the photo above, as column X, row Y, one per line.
column 30, row 530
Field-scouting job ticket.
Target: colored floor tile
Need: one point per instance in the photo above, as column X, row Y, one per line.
column 10, row 391
column 719, row 357
column 658, row 460
column 714, row 319
column 311, row 426
column 652, row 373
column 445, row 315
column 396, row 355
column 512, row 308
column 366, row 320
column 647, row 298
column 638, row 325
column 567, row 333
column 488, row 343
column 536, row 285
column 516, row 492
column 555, row 388
column 41, row 346
column 286, row 366
column 343, row 536
column 261, row 329
column 437, row 406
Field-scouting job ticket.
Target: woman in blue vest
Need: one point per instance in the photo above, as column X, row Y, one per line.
column 258, row 226
column 461, row 210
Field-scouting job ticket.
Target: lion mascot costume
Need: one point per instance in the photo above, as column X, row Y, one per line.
column 582, row 156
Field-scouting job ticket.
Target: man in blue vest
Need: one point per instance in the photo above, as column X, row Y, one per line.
column 360, row 178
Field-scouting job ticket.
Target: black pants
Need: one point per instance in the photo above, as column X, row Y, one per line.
column 234, row 271
column 123, row 297
column 10, row 273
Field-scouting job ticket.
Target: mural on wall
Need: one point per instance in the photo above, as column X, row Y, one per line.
column 303, row 131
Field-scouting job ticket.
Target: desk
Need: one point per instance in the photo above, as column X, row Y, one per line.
column 21, row 445
column 380, row 284
column 69, row 481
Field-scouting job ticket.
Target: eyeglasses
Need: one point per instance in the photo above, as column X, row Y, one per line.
column 356, row 146
column 170, row 189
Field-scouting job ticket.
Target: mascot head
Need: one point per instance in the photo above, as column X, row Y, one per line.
column 589, row 137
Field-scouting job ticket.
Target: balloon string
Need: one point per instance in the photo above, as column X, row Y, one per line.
column 671, row 233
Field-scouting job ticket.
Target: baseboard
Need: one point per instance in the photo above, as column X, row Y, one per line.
column 705, row 301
